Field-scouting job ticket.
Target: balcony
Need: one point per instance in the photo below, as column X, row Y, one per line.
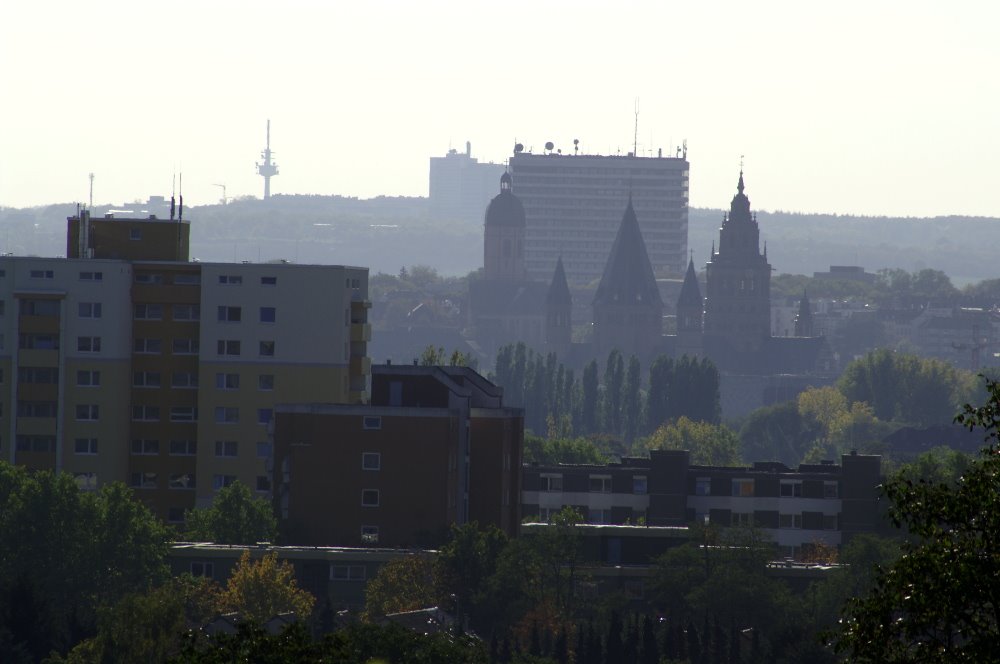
column 360, row 365
column 361, row 332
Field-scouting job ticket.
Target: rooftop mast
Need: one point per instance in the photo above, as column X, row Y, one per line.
column 267, row 168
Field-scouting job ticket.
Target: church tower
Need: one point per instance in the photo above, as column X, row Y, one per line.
column 690, row 312
column 503, row 251
column 738, row 303
column 804, row 319
column 628, row 311
column 558, row 307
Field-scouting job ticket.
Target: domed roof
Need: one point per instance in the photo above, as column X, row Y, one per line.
column 505, row 209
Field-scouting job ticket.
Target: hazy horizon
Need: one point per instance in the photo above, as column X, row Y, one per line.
column 850, row 109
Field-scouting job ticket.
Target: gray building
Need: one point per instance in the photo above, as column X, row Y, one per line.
column 573, row 206
column 461, row 186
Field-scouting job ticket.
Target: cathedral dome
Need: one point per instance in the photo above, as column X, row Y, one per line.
column 505, row 209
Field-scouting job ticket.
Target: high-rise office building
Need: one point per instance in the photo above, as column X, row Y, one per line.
column 126, row 362
column 573, row 206
column 461, row 186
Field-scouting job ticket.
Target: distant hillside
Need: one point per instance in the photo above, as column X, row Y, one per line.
column 388, row 232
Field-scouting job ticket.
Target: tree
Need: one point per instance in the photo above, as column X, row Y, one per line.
column 589, row 410
column 235, row 517
column 938, row 601
column 549, row 451
column 631, row 401
column 709, row 444
column 403, row 584
column 614, row 379
column 776, row 433
column 262, row 589
column 464, row 566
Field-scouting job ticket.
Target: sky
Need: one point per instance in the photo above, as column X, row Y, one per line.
column 853, row 107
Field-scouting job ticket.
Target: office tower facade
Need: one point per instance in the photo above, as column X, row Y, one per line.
column 573, row 207
column 461, row 186
column 164, row 374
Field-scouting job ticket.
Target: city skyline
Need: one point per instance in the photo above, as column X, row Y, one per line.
column 852, row 110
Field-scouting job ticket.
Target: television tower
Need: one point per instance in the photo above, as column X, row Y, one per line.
column 267, row 168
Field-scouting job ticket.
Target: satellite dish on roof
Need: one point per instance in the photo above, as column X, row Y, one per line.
column 549, row 146
column 518, row 148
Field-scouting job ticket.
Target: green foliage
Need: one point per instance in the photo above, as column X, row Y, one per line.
column 941, row 465
column 65, row 553
column 938, row 601
column 709, row 444
column 235, row 517
column 465, row 564
column 402, row 584
column 549, row 451
column 776, row 433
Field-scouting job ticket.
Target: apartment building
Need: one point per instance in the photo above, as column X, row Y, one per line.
column 573, row 206
column 795, row 507
column 435, row 447
column 164, row 373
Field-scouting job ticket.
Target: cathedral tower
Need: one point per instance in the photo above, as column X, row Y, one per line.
column 738, row 303
column 804, row 319
column 503, row 251
column 558, row 307
column 690, row 313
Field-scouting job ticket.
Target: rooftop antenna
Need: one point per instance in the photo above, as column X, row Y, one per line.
column 267, row 168
column 685, row 144
column 91, row 204
column 180, row 208
column 173, row 196
column 635, row 133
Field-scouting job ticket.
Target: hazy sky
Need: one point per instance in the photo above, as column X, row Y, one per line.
column 849, row 107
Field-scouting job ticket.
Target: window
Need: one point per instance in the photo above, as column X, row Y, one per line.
column 187, row 312
column 135, row 234
column 227, row 415
column 226, row 448
column 25, row 443
column 147, row 278
column 741, row 519
column 266, row 348
column 38, row 375
column 187, row 279
column 85, row 446
column 829, row 522
column 639, row 484
column 88, row 344
column 230, row 314
column 91, row 276
column 86, row 481
column 38, row 341
column 183, row 414
column 222, row 481
column 42, row 274
column 598, row 516
column 185, row 347
column 347, row 572
column 265, row 382
column 149, row 312
column 183, row 448
column 268, row 281
column 830, row 490
column 228, row 347
column 372, row 422
column 600, row 484
column 791, row 489
column 183, row 380
column 789, row 520
column 37, row 408
column 743, row 488
column 263, row 483
column 143, row 480
column 227, row 381
column 371, row 461
column 39, row 307
column 703, row 486
column 551, row 483
column 181, row 481
column 88, row 378
column 267, row 315
column 369, row 497
column 88, row 412
column 147, row 346
column 230, row 279
column 146, row 413
column 146, row 379
column 144, row 447
column 369, row 534
column 264, row 415
column 175, row 514
column 206, row 570
column 89, row 309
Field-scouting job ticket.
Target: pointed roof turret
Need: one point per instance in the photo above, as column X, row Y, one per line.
column 628, row 275
column 690, row 291
column 559, row 288
column 739, row 209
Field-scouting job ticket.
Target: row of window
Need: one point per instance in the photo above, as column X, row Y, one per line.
column 595, row 484
column 785, row 521
column 149, row 447
column 141, row 413
column 703, row 486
